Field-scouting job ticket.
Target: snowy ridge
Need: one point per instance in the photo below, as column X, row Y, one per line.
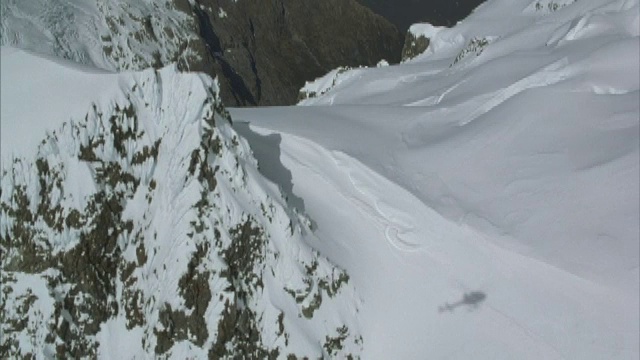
column 494, row 178
column 111, row 35
column 144, row 229
column 322, row 85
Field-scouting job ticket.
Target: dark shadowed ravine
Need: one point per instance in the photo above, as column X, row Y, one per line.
column 404, row 13
column 241, row 94
column 264, row 51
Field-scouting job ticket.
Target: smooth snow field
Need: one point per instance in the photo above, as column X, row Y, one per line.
column 483, row 198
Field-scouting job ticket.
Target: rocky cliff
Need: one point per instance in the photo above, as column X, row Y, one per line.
column 143, row 229
column 268, row 49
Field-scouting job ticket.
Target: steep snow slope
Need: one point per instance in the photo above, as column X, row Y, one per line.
column 483, row 196
column 134, row 224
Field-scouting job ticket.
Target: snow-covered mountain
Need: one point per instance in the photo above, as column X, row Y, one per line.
column 111, row 35
column 481, row 199
column 134, row 224
column 262, row 51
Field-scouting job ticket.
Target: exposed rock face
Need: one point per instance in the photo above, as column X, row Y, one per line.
column 414, row 45
column 263, row 51
column 268, row 49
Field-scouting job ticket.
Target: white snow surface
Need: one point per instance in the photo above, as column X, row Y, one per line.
column 63, row 91
column 507, row 168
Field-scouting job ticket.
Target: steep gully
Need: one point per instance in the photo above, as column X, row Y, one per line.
column 239, row 89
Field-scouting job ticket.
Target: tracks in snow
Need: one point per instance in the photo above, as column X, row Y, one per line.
column 408, row 225
column 399, row 229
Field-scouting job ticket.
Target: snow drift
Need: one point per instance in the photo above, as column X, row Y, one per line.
column 495, row 175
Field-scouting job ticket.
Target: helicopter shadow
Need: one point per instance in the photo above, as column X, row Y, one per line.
column 470, row 300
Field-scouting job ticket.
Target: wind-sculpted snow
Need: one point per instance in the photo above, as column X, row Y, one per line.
column 494, row 181
column 144, row 229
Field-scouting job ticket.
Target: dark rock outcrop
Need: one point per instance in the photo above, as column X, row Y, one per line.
column 414, row 46
column 264, row 51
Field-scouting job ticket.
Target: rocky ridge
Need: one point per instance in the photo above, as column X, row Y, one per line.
column 145, row 230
